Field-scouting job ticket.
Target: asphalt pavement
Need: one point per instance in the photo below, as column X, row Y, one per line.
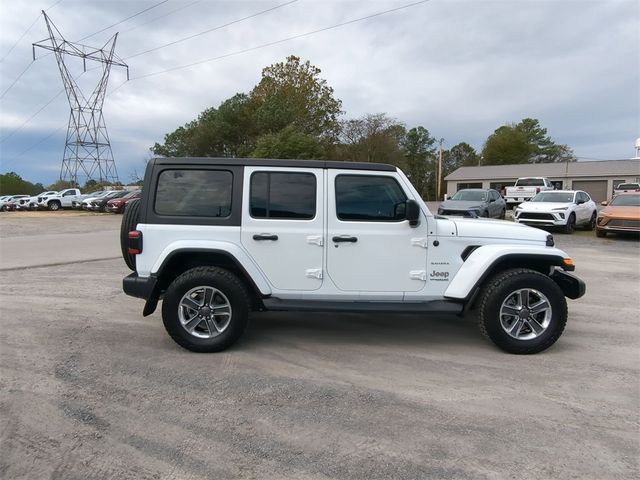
column 91, row 389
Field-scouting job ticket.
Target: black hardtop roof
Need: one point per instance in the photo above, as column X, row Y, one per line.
column 268, row 162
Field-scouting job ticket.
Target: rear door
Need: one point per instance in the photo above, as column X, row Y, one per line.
column 282, row 225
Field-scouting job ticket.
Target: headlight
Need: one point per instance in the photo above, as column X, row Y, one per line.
column 560, row 208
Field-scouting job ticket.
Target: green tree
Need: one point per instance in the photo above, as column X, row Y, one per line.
column 61, row 185
column 291, row 93
column 289, row 143
column 372, row 138
column 524, row 142
column 460, row 155
column 419, row 149
column 13, row 184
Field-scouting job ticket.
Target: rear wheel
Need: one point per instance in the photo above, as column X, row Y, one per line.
column 503, row 214
column 522, row 311
column 206, row 309
column 54, row 205
column 129, row 223
column 592, row 222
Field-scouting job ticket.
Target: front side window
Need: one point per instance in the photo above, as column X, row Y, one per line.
column 369, row 198
column 282, row 195
column 194, row 193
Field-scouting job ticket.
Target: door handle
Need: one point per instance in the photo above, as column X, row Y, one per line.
column 265, row 236
column 345, row 238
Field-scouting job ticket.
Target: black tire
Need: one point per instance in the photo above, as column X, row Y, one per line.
column 503, row 215
column 54, row 205
column 592, row 222
column 601, row 233
column 226, row 283
column 502, row 286
column 570, row 225
column 129, row 221
column 485, row 214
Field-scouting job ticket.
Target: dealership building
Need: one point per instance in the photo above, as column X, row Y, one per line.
column 597, row 178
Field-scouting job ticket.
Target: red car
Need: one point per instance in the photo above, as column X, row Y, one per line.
column 117, row 204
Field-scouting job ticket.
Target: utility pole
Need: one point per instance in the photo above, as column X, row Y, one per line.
column 87, row 149
column 439, row 179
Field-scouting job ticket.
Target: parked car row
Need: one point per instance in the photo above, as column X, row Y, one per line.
column 100, row 201
column 564, row 209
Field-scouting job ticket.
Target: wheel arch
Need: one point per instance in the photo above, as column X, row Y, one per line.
column 183, row 259
column 468, row 282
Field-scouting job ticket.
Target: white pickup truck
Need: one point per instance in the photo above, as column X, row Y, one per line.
column 61, row 199
column 525, row 189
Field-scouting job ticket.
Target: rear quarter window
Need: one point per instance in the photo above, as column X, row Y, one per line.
column 194, row 193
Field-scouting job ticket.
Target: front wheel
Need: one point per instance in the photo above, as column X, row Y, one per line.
column 570, row 225
column 522, row 311
column 600, row 233
column 206, row 309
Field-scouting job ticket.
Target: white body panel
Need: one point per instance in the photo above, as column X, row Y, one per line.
column 294, row 261
column 519, row 193
column 65, row 197
column 159, row 241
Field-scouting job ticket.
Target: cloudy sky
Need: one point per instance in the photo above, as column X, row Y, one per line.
column 459, row 68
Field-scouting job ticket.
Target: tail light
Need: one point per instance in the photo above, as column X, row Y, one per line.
column 538, row 190
column 134, row 246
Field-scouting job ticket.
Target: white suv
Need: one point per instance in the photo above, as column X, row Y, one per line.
column 217, row 238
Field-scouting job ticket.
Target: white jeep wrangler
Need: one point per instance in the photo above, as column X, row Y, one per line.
column 218, row 238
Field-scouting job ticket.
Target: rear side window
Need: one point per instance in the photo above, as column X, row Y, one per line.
column 530, row 182
column 283, row 195
column 369, row 198
column 194, row 193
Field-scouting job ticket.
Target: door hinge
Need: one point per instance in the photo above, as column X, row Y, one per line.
column 420, row 242
column 314, row 273
column 315, row 240
column 418, row 275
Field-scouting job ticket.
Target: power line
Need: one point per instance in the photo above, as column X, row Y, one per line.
column 276, row 42
column 17, row 78
column 31, row 117
column 154, row 19
column 211, row 29
column 27, row 31
column 124, row 20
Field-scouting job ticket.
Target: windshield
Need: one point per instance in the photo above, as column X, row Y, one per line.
column 626, row 201
column 559, row 197
column 530, row 182
column 470, row 196
column 627, row 186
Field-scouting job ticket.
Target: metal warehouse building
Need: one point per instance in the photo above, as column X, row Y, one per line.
column 596, row 178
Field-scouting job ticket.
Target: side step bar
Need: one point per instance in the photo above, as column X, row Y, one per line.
column 433, row 306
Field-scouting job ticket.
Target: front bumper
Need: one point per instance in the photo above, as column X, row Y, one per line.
column 542, row 219
column 571, row 286
column 609, row 224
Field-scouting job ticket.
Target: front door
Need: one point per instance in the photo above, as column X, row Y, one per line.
column 283, row 225
column 370, row 246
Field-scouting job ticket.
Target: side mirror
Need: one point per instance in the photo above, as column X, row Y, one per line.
column 604, row 204
column 580, row 202
column 412, row 212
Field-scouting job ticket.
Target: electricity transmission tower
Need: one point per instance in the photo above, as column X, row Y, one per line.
column 87, row 150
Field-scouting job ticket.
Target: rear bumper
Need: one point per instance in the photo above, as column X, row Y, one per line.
column 139, row 287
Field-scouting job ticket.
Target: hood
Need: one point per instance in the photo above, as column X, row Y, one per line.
column 498, row 229
column 625, row 212
column 461, row 204
column 543, row 206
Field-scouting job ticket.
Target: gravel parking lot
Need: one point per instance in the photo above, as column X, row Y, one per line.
column 91, row 389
